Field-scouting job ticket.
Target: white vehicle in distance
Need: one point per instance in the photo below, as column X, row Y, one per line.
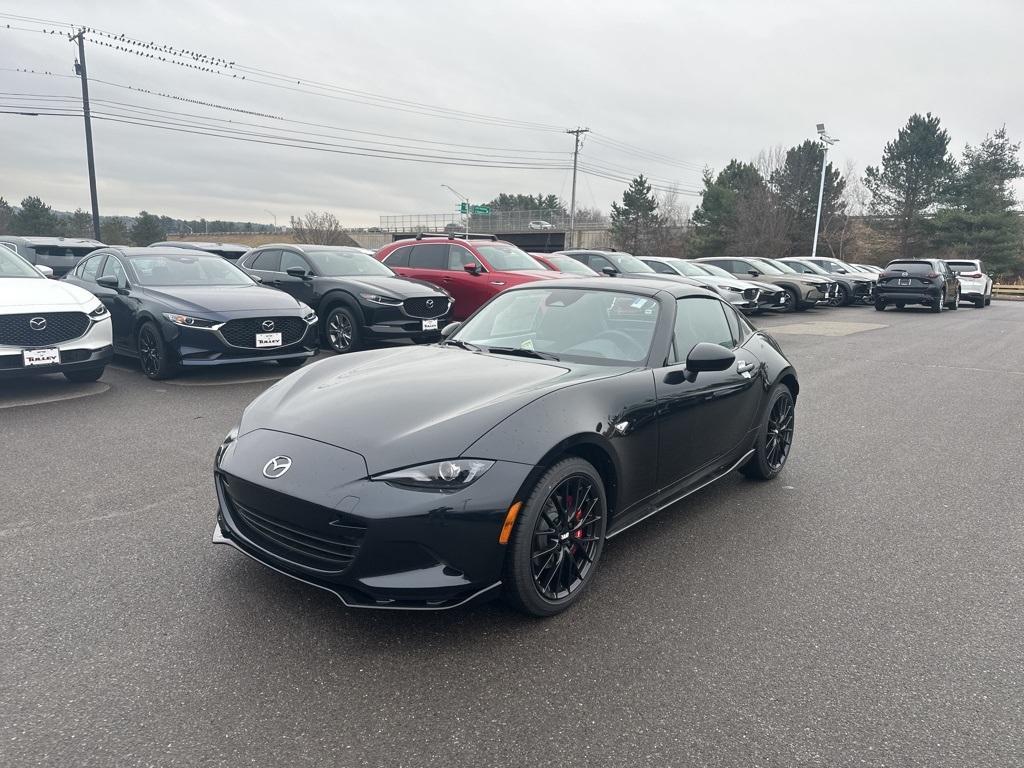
column 48, row 326
column 540, row 225
column 975, row 284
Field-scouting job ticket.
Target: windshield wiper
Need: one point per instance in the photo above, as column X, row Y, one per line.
column 461, row 345
column 523, row 352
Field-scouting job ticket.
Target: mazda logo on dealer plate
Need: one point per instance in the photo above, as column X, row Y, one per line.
column 37, row 323
column 276, row 467
column 268, row 325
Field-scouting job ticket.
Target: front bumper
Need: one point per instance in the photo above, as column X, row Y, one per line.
column 208, row 347
column 385, row 322
column 93, row 349
column 380, row 546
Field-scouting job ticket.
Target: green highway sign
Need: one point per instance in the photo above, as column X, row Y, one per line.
column 463, row 207
column 481, row 209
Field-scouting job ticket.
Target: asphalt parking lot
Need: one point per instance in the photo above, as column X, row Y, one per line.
column 866, row 609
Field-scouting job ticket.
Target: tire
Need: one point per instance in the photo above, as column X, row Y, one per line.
column 291, row 362
column 900, row 307
column 842, row 298
column 341, row 330
column 988, row 301
column 955, row 304
column 879, row 305
column 155, row 357
column 939, row 303
column 979, row 303
column 791, row 300
column 85, row 375
column 538, row 537
column 767, row 462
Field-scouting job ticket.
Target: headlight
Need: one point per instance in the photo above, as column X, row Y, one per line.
column 448, row 475
column 229, row 438
column 191, row 322
column 307, row 312
column 731, row 289
column 387, row 301
column 99, row 312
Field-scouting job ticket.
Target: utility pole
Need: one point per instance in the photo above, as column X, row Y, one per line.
column 82, row 73
column 826, row 142
column 576, row 132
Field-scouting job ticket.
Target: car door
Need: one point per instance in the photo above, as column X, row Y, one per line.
column 468, row 290
column 703, row 418
column 118, row 302
column 301, row 289
column 264, row 264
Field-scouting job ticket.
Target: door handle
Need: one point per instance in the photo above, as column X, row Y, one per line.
column 742, row 366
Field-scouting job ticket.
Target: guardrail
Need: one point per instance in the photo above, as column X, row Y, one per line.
column 1008, row 291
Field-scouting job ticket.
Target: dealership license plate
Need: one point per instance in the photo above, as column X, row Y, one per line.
column 41, row 356
column 430, row 325
column 904, row 282
column 268, row 340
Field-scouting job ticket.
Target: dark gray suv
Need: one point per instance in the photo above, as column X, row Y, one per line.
column 60, row 254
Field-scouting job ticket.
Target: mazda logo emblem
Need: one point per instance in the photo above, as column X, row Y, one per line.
column 430, row 303
column 268, row 325
column 276, row 467
column 37, row 323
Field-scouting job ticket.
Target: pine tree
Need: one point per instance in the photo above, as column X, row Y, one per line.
column 6, row 217
column 637, row 215
column 715, row 219
column 35, row 218
column 114, row 231
column 79, row 225
column 147, row 229
column 796, row 184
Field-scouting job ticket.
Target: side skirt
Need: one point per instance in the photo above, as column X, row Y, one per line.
column 683, row 495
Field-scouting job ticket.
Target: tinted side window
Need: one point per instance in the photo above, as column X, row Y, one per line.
column 598, row 263
column 459, row 257
column 114, row 268
column 399, row 257
column 267, row 261
column 700, row 319
column 429, row 256
column 91, row 268
column 660, row 266
column 291, row 259
column 726, row 264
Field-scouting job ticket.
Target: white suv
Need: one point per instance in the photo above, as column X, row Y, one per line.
column 975, row 285
column 48, row 326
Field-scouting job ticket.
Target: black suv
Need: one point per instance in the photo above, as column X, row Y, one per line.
column 354, row 295
column 918, row 281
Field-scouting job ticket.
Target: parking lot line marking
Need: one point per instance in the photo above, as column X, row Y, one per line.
column 84, row 390
column 187, row 383
column 825, row 328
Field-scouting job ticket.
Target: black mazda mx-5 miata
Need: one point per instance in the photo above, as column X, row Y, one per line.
column 554, row 418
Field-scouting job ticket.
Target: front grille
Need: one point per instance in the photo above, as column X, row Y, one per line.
column 299, row 545
column 425, row 307
column 242, row 333
column 57, row 327
column 750, row 294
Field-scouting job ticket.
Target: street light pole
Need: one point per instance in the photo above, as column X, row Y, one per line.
column 273, row 216
column 826, row 142
column 80, row 70
column 464, row 199
column 577, row 132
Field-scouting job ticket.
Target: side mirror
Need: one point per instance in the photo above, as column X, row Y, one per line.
column 107, row 281
column 610, row 271
column 43, row 270
column 256, row 279
column 449, row 329
column 706, row 356
column 473, row 269
column 753, row 273
column 841, row 271
column 298, row 272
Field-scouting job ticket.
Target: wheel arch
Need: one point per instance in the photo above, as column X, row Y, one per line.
column 588, row 447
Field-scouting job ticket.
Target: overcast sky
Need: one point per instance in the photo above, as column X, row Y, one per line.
column 699, row 82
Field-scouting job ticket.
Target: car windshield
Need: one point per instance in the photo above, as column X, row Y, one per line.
column 780, row 265
column 963, row 266
column 711, row 269
column 187, row 269
column 801, row 265
column 569, row 264
column 573, row 324
column 911, row 267
column 12, row 265
column 505, row 257
column 686, row 268
column 767, row 268
column 625, row 262
column 344, row 262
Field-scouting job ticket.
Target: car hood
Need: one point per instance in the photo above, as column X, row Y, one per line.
column 543, row 274
column 726, row 281
column 222, row 298
column 31, row 293
column 400, row 407
column 762, row 286
column 398, row 287
column 662, row 276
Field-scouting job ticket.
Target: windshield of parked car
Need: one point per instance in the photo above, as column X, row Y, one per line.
column 187, row 269
column 767, row 268
column 686, row 268
column 781, row 265
column 569, row 264
column 505, row 257
column 963, row 266
column 12, row 265
column 570, row 324
column 625, row 262
column 711, row 269
column 345, row 263
column 803, row 266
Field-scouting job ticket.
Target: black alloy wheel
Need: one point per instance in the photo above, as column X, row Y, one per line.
column 879, row 305
column 939, row 302
column 842, row 297
column 789, row 300
column 154, row 357
column 956, row 301
column 341, row 331
column 775, row 438
column 84, row 375
column 558, row 539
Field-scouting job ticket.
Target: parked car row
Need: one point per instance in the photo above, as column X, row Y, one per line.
column 934, row 283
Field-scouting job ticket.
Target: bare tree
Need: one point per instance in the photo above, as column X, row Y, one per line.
column 319, row 228
column 670, row 234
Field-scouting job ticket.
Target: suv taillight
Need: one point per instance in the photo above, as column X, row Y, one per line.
column 932, row 274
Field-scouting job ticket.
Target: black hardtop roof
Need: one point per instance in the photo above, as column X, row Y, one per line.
column 637, row 285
